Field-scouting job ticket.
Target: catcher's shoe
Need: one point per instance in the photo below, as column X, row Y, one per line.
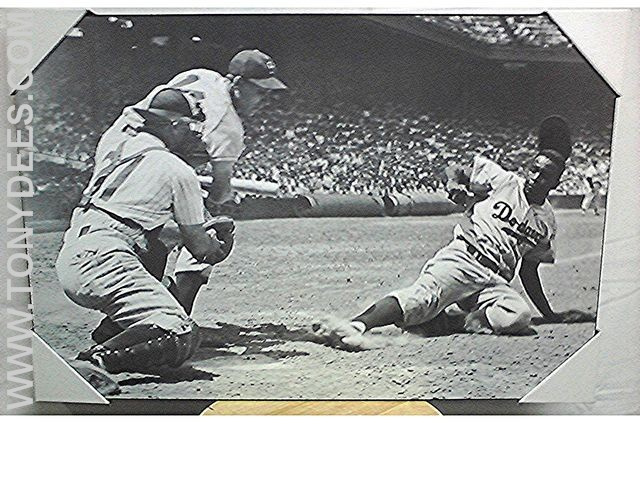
column 96, row 377
column 106, row 330
column 343, row 335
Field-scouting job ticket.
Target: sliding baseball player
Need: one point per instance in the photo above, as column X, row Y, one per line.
column 509, row 228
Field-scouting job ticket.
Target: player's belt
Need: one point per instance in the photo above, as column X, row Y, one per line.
column 132, row 230
column 479, row 256
column 134, row 226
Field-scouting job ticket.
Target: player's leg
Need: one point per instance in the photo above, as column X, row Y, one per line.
column 386, row 311
column 418, row 304
column 189, row 277
column 348, row 334
column 497, row 309
column 444, row 279
column 187, row 286
column 596, row 198
column 220, row 190
column 155, row 330
column 147, row 347
column 155, row 261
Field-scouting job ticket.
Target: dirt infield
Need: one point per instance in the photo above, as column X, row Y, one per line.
column 283, row 274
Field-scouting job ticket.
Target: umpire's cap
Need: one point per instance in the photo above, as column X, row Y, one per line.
column 257, row 67
column 554, row 134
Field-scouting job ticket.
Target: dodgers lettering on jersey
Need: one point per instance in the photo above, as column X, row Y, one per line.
column 150, row 191
column 208, row 92
column 505, row 226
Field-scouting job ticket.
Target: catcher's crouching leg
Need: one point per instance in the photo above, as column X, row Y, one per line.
column 146, row 348
column 155, row 262
column 185, row 286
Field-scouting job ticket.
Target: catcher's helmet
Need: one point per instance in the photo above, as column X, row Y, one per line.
column 554, row 134
column 172, row 103
column 170, row 108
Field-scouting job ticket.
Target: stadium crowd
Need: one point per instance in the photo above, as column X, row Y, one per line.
column 345, row 148
column 394, row 148
column 532, row 31
column 331, row 133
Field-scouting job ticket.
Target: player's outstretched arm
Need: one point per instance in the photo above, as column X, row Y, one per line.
column 530, row 277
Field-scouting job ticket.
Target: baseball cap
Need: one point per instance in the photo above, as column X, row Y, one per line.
column 554, row 134
column 257, row 67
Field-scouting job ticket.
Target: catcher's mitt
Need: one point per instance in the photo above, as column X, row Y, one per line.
column 223, row 229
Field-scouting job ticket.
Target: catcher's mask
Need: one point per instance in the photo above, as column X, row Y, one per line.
column 554, row 134
column 171, row 118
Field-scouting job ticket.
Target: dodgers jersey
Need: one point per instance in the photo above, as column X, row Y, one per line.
column 150, row 190
column 505, row 226
column 207, row 93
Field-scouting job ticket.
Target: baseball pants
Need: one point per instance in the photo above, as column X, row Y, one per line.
column 453, row 276
column 99, row 269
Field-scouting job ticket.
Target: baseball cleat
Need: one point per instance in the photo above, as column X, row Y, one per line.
column 96, row 377
column 343, row 335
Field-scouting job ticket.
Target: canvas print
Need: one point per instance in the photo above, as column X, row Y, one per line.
column 318, row 206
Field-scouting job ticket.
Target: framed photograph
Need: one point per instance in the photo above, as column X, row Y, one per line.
column 314, row 206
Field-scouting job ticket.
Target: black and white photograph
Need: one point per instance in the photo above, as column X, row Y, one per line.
column 315, row 206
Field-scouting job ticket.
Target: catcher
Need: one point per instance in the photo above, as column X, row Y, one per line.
column 104, row 263
column 509, row 222
column 218, row 102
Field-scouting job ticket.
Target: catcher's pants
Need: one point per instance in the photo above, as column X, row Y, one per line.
column 99, row 269
column 454, row 276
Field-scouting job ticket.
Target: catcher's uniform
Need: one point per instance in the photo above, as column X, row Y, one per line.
column 135, row 189
column 475, row 269
column 223, row 135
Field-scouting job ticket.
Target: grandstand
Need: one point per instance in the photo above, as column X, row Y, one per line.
column 529, row 31
column 377, row 104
